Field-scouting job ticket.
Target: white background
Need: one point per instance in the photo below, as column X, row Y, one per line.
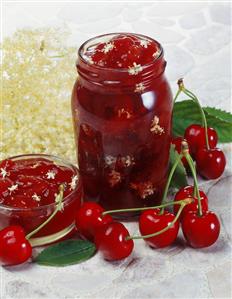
column 195, row 35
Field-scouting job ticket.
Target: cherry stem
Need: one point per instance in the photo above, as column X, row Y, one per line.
column 170, row 178
column 59, row 207
column 183, row 204
column 178, row 202
column 177, row 95
column 194, row 191
column 196, row 100
column 185, row 152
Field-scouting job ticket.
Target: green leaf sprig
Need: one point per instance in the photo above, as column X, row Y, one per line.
column 186, row 113
column 66, row 253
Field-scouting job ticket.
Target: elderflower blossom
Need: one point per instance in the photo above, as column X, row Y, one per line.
column 38, row 75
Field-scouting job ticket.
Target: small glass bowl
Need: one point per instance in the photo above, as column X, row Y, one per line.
column 30, row 218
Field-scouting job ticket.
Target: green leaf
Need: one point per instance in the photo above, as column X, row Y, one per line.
column 66, row 253
column 187, row 112
column 218, row 113
column 180, row 177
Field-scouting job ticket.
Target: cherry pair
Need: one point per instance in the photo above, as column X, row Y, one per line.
column 210, row 160
column 202, row 141
column 109, row 236
column 154, row 220
column 199, row 230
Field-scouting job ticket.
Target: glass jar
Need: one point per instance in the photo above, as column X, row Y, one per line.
column 122, row 124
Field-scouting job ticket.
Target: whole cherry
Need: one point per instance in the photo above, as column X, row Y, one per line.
column 188, row 192
column 152, row 221
column 89, row 218
column 195, row 136
column 200, row 231
column 111, row 240
column 14, row 247
column 210, row 163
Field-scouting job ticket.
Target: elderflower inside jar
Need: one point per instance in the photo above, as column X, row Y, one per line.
column 122, row 109
column 29, row 185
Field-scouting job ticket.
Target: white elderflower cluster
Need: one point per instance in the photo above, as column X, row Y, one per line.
column 38, row 75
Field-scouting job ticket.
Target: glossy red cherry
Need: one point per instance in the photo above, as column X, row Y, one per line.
column 195, row 136
column 151, row 221
column 210, row 163
column 187, row 192
column 89, row 219
column 111, row 241
column 14, row 248
column 200, row 231
column 178, row 146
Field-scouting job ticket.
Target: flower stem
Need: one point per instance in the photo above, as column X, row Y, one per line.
column 185, row 152
column 162, row 230
column 58, row 208
column 179, row 202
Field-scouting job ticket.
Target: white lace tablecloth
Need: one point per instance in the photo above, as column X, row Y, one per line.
column 196, row 39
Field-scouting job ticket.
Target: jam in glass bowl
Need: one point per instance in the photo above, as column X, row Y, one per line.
column 28, row 188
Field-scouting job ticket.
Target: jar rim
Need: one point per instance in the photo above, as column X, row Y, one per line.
column 66, row 199
column 121, row 70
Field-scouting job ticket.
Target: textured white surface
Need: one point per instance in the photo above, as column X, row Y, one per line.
column 196, row 39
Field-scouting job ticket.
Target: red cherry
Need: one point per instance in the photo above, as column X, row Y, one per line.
column 111, row 241
column 210, row 163
column 177, row 142
column 195, row 136
column 187, row 192
column 151, row 221
column 89, row 219
column 14, row 248
column 200, row 231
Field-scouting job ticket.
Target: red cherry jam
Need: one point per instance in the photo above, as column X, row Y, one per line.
column 28, row 188
column 122, row 108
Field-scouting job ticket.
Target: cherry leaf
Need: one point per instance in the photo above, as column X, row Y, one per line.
column 66, row 253
column 186, row 113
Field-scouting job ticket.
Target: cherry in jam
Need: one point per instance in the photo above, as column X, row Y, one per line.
column 33, row 183
column 122, row 51
column 29, row 183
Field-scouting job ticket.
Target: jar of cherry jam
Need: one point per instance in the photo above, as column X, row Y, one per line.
column 122, row 110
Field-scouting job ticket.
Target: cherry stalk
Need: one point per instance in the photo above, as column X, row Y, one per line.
column 196, row 100
column 185, row 152
column 182, row 205
column 59, row 207
column 178, row 202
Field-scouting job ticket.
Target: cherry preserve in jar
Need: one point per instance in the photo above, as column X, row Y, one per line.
column 122, row 110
